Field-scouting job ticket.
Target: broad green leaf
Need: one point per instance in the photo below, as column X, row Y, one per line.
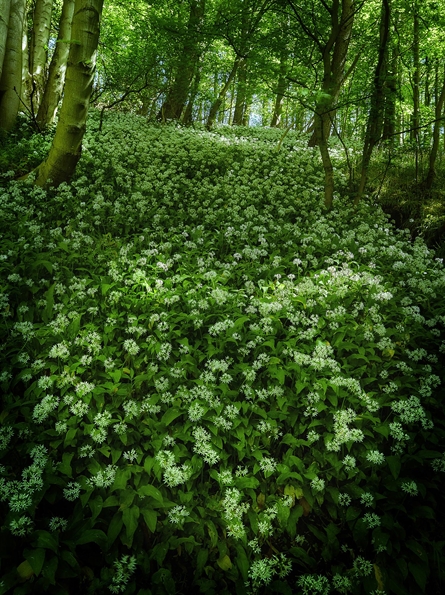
column 47, row 540
column 36, row 558
column 170, row 415
column 114, row 528
column 92, row 536
column 149, row 490
column 242, row 561
column 225, row 563
column 151, row 518
column 130, row 516
column 394, row 464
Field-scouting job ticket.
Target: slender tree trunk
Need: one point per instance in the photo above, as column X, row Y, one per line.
column 218, row 102
column 5, row 6
column 38, row 54
column 281, row 90
column 241, row 92
column 66, row 148
column 176, row 99
column 188, row 113
column 375, row 119
column 57, row 68
column 11, row 80
column 416, row 76
column 392, row 90
column 438, row 124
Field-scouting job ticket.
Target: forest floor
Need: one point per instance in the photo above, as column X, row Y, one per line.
column 210, row 380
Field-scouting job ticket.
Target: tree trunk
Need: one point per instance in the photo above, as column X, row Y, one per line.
column 334, row 59
column 11, row 79
column 5, row 6
column 57, row 69
column 67, row 144
column 176, row 99
column 375, row 119
column 281, row 89
column 188, row 113
column 38, row 54
column 218, row 102
column 438, row 124
column 392, row 89
column 416, row 77
column 241, row 91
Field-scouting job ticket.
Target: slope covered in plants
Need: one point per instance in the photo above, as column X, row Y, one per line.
column 210, row 380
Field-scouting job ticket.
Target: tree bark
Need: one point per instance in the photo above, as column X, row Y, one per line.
column 438, row 124
column 416, row 76
column 281, row 90
column 11, row 79
column 66, row 148
column 38, row 54
column 5, row 6
column 57, row 69
column 334, row 58
column 241, row 92
column 176, row 99
column 392, row 89
column 375, row 119
column 218, row 102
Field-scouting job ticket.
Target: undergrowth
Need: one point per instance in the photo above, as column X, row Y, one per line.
column 210, row 383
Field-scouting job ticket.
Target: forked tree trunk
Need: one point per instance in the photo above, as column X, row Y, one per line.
column 66, row 148
column 38, row 51
column 11, row 79
column 57, row 68
column 5, row 6
column 218, row 102
column 176, row 99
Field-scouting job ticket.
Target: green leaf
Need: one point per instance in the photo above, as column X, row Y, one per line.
column 36, row 558
column 242, row 561
column 246, row 482
column 170, row 415
column 114, row 528
column 96, row 505
column 151, row 491
column 47, row 540
column 225, row 563
column 92, row 536
column 49, row 570
column 130, row 517
column 420, row 574
column 394, row 464
column 151, row 518
column 65, row 466
column 201, row 559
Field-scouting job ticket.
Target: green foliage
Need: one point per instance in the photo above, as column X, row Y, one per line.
column 211, row 383
column 22, row 149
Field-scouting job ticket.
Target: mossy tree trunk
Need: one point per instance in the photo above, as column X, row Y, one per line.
column 5, row 7
column 38, row 52
column 57, row 68
column 438, row 124
column 66, row 148
column 11, row 78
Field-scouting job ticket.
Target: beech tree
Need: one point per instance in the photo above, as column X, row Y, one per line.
column 66, row 148
column 11, row 76
column 57, row 68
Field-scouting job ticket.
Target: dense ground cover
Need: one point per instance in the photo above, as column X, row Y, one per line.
column 210, row 383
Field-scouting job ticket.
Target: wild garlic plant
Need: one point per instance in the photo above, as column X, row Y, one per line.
column 207, row 377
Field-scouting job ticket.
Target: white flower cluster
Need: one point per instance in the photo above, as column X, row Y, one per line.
column 174, row 475
column 125, row 567
column 261, row 572
column 203, row 446
column 103, row 478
